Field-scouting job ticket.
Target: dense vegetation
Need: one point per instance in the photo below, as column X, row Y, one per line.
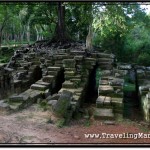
column 120, row 27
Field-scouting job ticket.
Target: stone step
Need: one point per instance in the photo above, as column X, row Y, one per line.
column 68, row 84
column 103, row 102
column 69, row 73
column 73, row 90
column 43, row 83
column 117, row 104
column 107, row 78
column 48, row 78
column 105, row 60
column 39, row 87
column 20, row 68
column 103, row 82
column 104, row 114
column 15, row 106
column 79, row 58
column 60, row 57
column 105, row 90
column 3, row 106
column 58, row 65
column 54, row 73
column 18, row 98
column 104, row 55
column 54, row 68
column 68, row 63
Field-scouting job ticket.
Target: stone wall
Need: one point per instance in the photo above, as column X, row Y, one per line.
column 6, row 82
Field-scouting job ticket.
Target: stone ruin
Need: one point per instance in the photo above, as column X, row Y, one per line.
column 61, row 76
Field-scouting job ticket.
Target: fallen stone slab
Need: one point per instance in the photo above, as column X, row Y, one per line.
column 63, row 104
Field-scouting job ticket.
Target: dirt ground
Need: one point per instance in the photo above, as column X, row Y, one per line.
column 32, row 125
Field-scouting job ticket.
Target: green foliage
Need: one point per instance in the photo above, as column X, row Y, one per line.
column 129, row 87
column 87, row 123
column 144, row 59
column 6, row 54
column 60, row 123
column 43, row 104
column 121, row 28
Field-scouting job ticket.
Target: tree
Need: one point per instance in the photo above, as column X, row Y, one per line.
column 4, row 16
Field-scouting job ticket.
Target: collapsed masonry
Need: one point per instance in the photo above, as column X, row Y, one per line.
column 61, row 77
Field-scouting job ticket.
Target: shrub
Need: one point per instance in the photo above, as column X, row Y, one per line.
column 144, row 59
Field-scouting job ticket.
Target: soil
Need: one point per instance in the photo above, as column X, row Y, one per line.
column 33, row 125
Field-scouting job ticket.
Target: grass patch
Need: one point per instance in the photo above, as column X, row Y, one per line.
column 87, row 123
column 60, row 123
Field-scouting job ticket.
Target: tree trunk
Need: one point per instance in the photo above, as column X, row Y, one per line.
column 89, row 39
column 60, row 30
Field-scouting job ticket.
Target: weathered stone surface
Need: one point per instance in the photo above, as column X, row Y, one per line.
column 124, row 67
column 107, row 102
column 68, row 84
column 63, row 104
column 43, row 83
column 77, row 52
column 69, row 73
column 54, row 73
column 53, row 97
column 18, row 98
column 116, row 82
column 105, row 89
column 3, row 105
column 100, row 101
column 117, row 104
column 80, row 58
column 106, row 73
column 39, row 87
column 103, row 114
column 52, row 103
column 69, row 63
column 48, row 78
column 54, row 68
column 103, row 82
column 104, row 55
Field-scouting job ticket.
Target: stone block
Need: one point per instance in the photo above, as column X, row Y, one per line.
column 69, row 63
column 103, row 82
column 48, row 78
column 104, row 55
column 54, row 68
column 105, row 90
column 54, row 73
column 39, row 87
column 100, row 102
column 63, row 103
column 18, row 98
column 104, row 114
